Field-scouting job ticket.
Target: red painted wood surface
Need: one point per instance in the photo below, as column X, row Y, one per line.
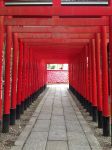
column 56, row 11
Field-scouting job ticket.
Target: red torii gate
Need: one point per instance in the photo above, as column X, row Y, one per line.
column 85, row 36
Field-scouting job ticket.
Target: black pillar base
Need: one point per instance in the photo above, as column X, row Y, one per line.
column 28, row 101
column 86, row 105
column 90, row 109
column 100, row 119
column 22, row 108
column 94, row 115
column 45, row 86
column 18, row 111
column 0, row 125
column 12, row 116
column 25, row 105
column 34, row 96
column 106, row 126
column 31, row 99
column 84, row 102
column 6, row 122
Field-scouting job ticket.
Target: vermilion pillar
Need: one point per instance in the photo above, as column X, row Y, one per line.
column 99, row 79
column 94, row 86
column 19, row 87
column 87, row 82
column 90, row 79
column 110, row 2
column 22, row 104
column 110, row 49
column 105, row 92
column 29, row 79
column 6, row 112
column 24, row 99
column 14, row 80
column 1, row 49
column 56, row 2
column 23, row 79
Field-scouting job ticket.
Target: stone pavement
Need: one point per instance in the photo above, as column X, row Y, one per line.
column 57, row 124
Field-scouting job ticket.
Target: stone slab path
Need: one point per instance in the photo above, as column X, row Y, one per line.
column 57, row 124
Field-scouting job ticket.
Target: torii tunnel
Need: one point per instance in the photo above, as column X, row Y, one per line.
column 35, row 34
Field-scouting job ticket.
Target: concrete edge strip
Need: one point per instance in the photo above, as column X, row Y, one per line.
column 21, row 140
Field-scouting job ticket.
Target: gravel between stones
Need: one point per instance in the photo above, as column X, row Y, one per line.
column 7, row 140
column 105, row 142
